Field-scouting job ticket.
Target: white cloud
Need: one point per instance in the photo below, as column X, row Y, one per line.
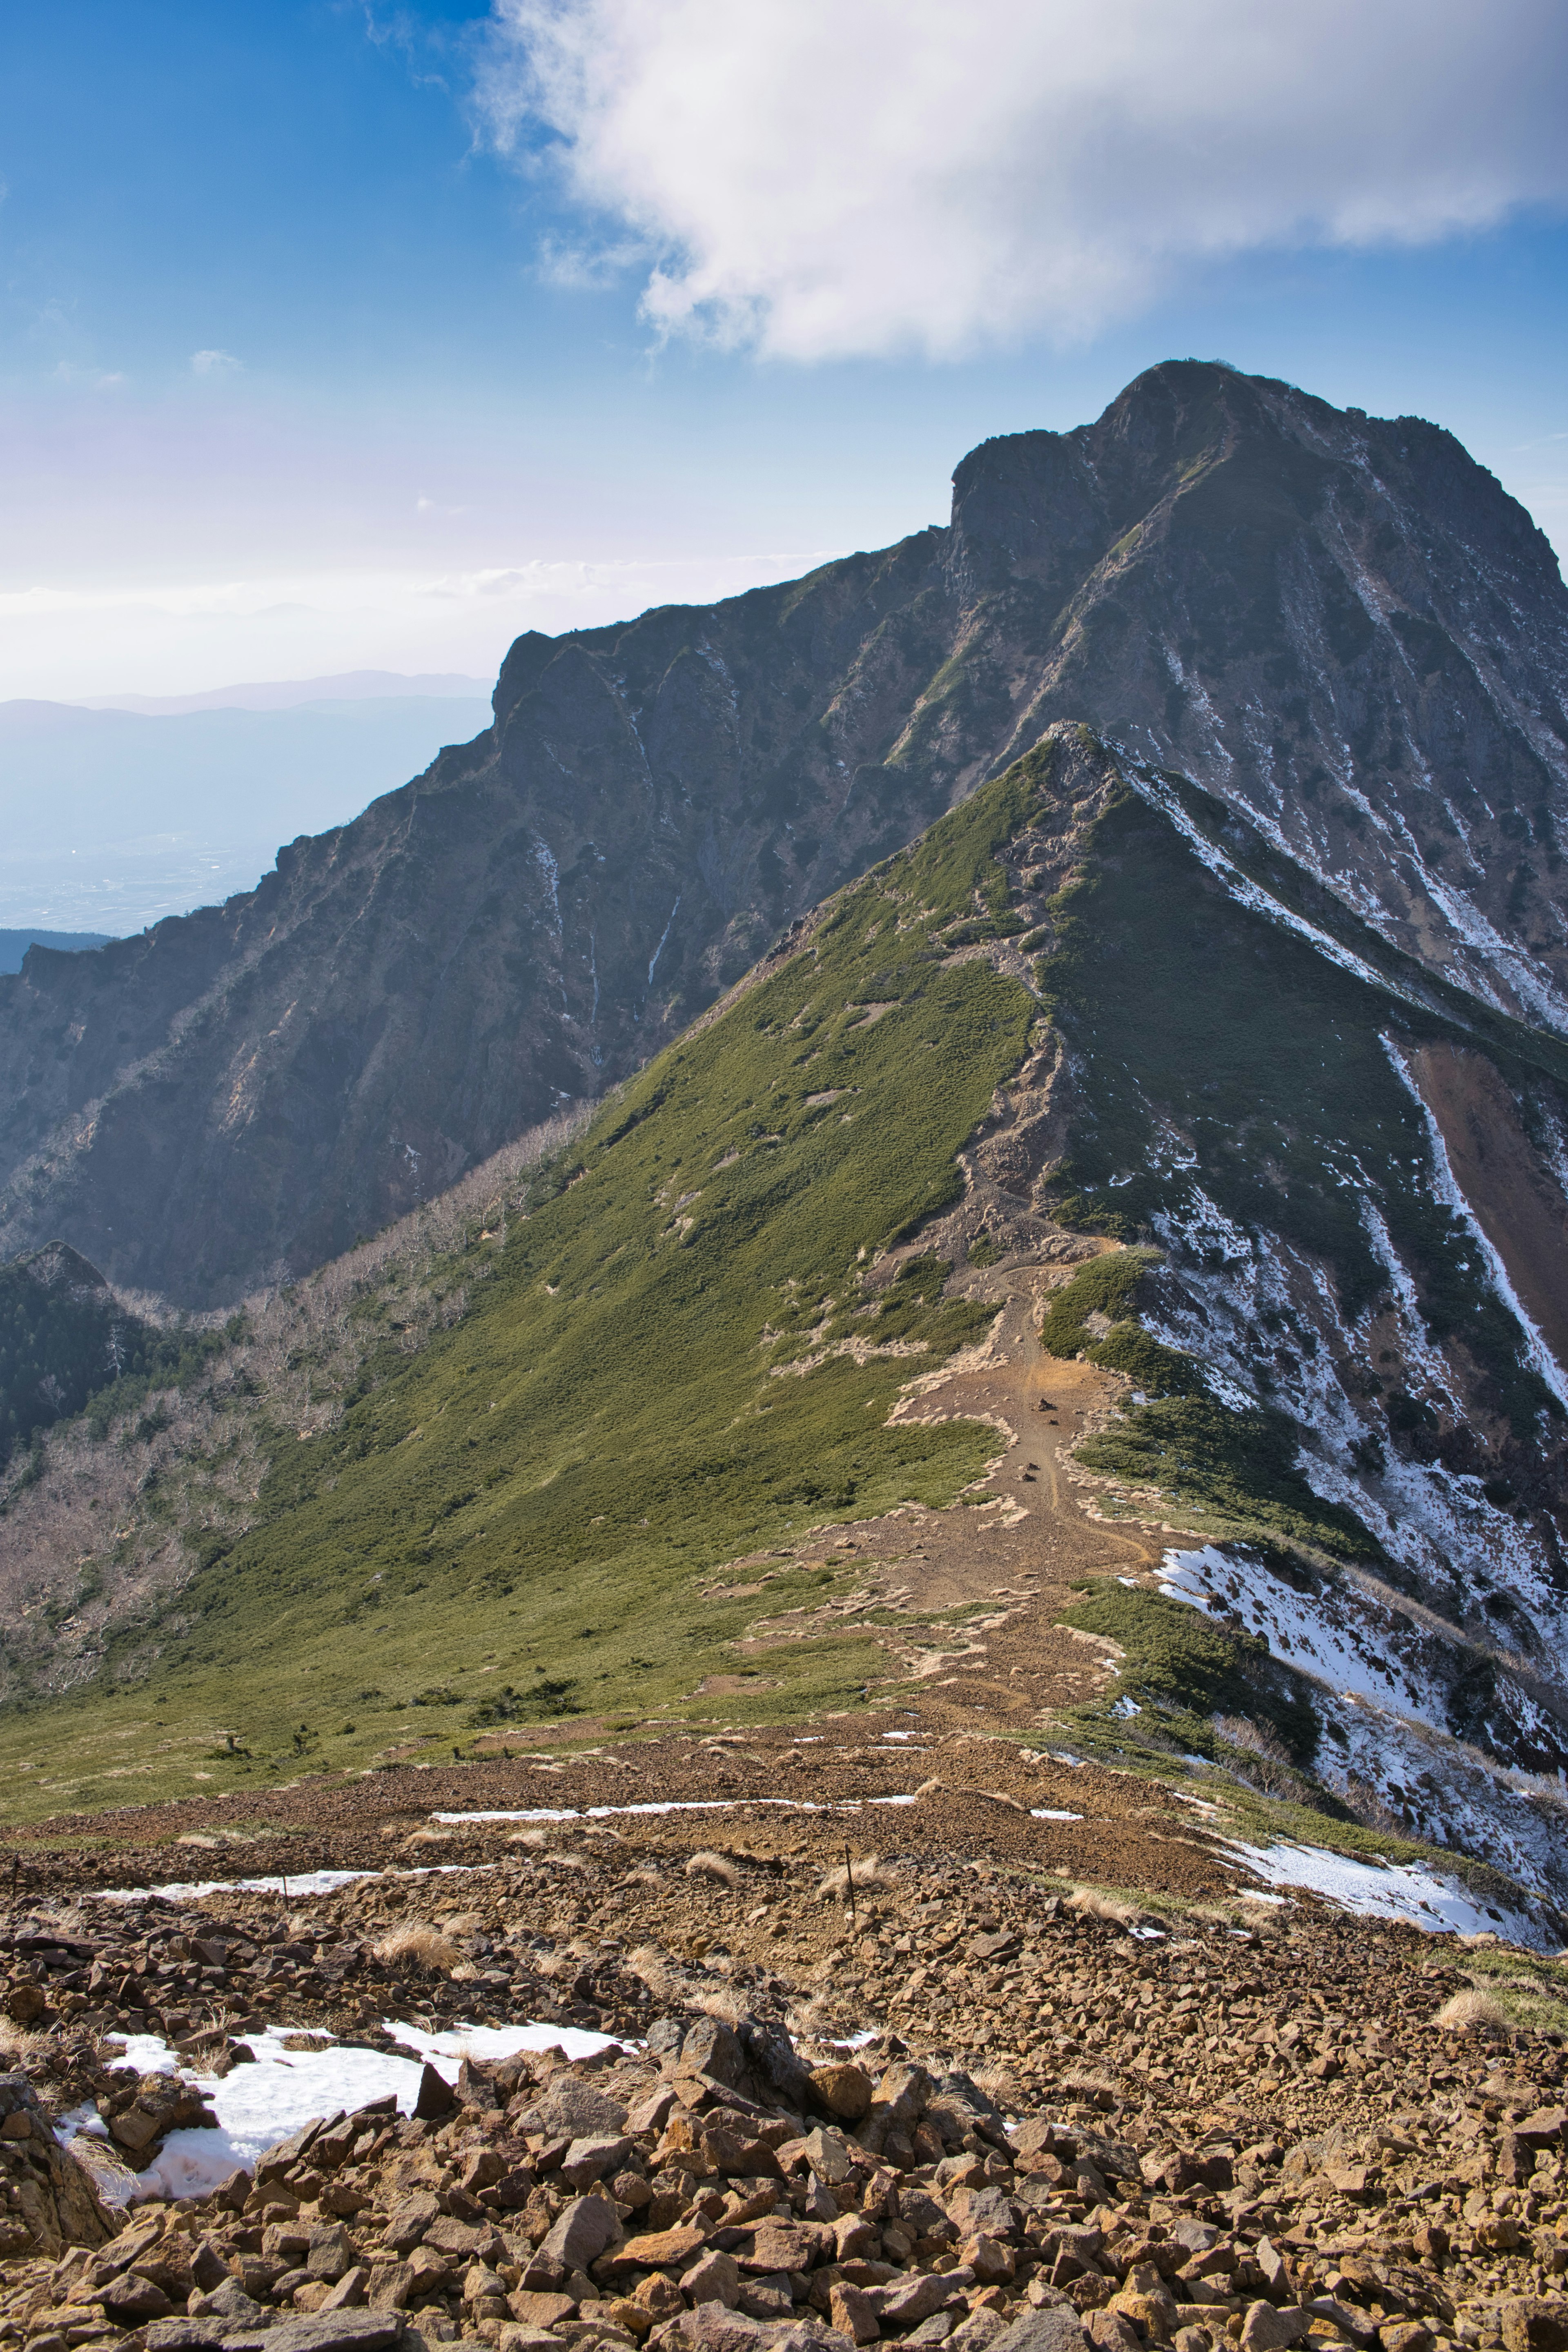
column 214, row 363
column 828, row 177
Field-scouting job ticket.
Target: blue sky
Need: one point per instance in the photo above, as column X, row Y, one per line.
column 336, row 336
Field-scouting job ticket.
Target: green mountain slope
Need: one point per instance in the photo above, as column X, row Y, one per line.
column 546, row 1485
column 1086, row 1003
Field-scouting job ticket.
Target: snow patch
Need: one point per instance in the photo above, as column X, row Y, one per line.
column 1383, row 1890
column 260, row 2105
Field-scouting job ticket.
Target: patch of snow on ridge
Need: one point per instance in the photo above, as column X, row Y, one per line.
column 1316, row 1635
column 1387, row 1673
column 308, row 1882
column 1384, row 1891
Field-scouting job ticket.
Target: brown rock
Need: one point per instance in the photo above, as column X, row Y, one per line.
column 714, row 2277
column 581, row 2233
column 54, row 2204
column 658, row 2250
column 783, row 2246
column 1531, row 2325
column 1266, row 2328
column 845, row 2091
column 854, row 2313
column 437, row 2096
column 131, row 2298
column 659, row 2295
column 1406, row 2336
column 389, row 2286
column 916, row 2298
column 25, row 2001
column 539, row 2310
column 988, row 2258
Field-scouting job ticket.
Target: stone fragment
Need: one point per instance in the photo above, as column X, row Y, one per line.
column 389, row 2286
column 532, row 2310
column 714, row 2277
column 589, row 2160
column 708, row 2047
column 827, row 2156
column 409, row 2219
column 228, row 2301
column 335, row 2331
column 854, row 2313
column 130, row 2299
column 980, row 2332
column 917, row 2297
column 781, row 2246
column 991, row 2261
column 1529, row 2323
column 1110, row 2331
column 1406, row 2335
column 581, row 2233
column 1265, row 2328
column 658, row 2250
column 435, row 2096
column 1056, row 2328
column 844, row 2090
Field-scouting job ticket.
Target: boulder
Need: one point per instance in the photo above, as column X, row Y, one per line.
column 49, row 2201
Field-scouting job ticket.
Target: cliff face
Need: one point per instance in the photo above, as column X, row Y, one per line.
column 1341, row 625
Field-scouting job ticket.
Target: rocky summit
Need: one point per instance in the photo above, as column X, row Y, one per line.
column 1339, row 626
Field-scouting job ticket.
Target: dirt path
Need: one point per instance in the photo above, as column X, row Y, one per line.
column 964, row 1602
column 997, row 1568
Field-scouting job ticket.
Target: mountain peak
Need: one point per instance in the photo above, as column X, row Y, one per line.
column 1339, row 626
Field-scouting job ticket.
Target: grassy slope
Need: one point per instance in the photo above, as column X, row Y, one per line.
column 519, row 1521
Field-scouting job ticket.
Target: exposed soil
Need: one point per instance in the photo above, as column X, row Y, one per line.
column 1520, row 1207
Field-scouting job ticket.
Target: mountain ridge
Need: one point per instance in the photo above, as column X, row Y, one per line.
column 794, row 1381
column 1340, row 626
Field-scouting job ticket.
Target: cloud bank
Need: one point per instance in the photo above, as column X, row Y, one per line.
column 828, row 178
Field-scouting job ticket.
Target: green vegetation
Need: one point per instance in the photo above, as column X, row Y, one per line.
column 679, row 1354
column 1188, row 1669
column 65, row 1339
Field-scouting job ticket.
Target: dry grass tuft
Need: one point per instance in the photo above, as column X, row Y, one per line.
column 665, row 1982
column 1472, row 2012
column 463, row 1923
column 644, row 1875
column 716, row 1867
column 865, row 1876
column 418, row 1945
column 1003, row 2086
column 23, row 2048
column 428, row 1837
column 535, row 1839
column 1093, row 1902
column 114, row 2181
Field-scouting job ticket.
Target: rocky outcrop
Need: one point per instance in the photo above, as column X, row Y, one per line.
column 48, row 2202
column 1340, row 624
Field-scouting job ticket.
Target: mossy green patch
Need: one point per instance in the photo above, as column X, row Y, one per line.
column 1188, row 1668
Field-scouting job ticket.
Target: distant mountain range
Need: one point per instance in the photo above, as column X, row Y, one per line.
column 113, row 818
column 288, row 693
